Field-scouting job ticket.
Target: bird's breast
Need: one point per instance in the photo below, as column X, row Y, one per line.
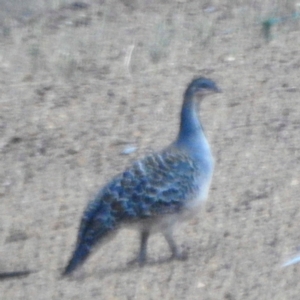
column 202, row 181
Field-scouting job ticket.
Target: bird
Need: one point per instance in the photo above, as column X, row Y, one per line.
column 155, row 192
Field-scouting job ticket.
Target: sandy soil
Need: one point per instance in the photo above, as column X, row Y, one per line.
column 80, row 84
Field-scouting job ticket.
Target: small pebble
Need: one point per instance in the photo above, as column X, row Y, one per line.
column 210, row 9
column 229, row 58
column 128, row 150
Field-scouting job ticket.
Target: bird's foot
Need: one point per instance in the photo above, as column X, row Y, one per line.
column 137, row 261
column 180, row 255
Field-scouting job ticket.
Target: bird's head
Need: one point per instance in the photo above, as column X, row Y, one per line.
column 202, row 86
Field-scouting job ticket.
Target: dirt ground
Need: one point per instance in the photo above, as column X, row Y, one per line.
column 81, row 83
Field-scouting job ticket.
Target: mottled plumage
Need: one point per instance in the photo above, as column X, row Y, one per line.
column 155, row 191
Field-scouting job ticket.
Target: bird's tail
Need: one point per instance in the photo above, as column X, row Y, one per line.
column 85, row 244
column 80, row 254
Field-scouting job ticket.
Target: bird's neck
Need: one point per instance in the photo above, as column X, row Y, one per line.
column 191, row 137
column 190, row 125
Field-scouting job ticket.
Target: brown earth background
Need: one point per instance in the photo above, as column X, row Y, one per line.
column 81, row 83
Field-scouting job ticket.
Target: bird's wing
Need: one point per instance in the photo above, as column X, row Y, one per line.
column 160, row 183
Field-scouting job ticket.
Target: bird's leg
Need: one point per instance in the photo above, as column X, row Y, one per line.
column 143, row 249
column 176, row 254
column 142, row 256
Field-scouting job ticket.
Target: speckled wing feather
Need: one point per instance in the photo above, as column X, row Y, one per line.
column 161, row 183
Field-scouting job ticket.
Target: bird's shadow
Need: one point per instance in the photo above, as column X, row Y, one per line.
column 130, row 267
